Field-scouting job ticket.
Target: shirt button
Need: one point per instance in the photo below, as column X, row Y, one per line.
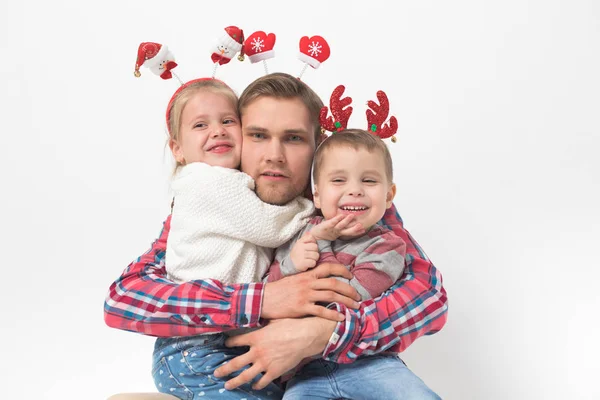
column 244, row 319
column 185, row 353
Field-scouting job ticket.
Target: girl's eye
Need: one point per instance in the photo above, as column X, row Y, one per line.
column 200, row 125
column 229, row 121
column 369, row 181
column 337, row 180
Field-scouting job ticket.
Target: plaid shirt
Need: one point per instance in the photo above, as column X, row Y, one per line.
column 142, row 300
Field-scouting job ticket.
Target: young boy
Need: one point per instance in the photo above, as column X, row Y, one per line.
column 353, row 179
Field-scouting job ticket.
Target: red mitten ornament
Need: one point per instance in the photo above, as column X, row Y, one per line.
column 313, row 51
column 259, row 46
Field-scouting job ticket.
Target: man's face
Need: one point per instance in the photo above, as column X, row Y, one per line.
column 277, row 148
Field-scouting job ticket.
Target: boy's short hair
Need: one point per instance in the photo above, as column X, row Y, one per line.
column 356, row 139
column 284, row 86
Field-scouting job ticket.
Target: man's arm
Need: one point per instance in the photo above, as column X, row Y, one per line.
column 415, row 306
column 143, row 300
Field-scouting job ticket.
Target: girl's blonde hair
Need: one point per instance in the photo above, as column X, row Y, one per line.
column 184, row 94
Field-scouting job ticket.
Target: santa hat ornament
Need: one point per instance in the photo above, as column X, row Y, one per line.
column 377, row 115
column 259, row 47
column 157, row 58
column 228, row 45
column 313, row 51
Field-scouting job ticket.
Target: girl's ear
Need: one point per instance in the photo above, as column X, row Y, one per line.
column 389, row 198
column 177, row 151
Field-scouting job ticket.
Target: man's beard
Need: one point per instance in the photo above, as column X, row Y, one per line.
column 276, row 194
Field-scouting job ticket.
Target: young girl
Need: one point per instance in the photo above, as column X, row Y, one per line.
column 220, row 230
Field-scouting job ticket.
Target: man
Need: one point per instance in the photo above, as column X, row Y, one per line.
column 280, row 127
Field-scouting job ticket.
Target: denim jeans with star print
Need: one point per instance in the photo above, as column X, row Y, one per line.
column 184, row 367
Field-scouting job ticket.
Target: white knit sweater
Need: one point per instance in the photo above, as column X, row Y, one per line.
column 221, row 230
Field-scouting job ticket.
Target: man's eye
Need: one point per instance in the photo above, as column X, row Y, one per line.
column 257, row 135
column 295, row 138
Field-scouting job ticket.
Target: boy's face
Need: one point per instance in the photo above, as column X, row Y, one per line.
column 210, row 131
column 278, row 147
column 354, row 182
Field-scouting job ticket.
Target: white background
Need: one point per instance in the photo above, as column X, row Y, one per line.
column 497, row 165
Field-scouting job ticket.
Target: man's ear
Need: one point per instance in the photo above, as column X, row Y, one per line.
column 389, row 198
column 316, row 198
column 177, row 151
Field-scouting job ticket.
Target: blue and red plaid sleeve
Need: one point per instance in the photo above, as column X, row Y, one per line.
column 415, row 306
column 143, row 300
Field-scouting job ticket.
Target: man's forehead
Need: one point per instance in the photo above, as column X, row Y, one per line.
column 269, row 114
column 264, row 105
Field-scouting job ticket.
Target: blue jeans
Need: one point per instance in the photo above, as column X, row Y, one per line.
column 379, row 377
column 184, row 367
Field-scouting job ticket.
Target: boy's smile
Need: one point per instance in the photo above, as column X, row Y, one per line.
column 353, row 181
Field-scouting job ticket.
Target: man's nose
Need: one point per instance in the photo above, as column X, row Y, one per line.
column 275, row 152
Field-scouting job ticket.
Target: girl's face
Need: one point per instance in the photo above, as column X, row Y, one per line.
column 210, row 131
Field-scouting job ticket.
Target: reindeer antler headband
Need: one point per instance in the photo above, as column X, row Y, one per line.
column 377, row 114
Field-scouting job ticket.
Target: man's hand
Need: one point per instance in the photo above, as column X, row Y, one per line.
column 305, row 253
column 297, row 295
column 340, row 225
column 275, row 349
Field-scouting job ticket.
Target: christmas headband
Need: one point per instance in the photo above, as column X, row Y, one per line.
column 377, row 115
column 258, row 47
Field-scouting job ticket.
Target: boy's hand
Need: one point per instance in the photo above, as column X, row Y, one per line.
column 340, row 225
column 305, row 253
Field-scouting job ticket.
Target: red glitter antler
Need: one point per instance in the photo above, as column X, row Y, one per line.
column 341, row 114
column 377, row 115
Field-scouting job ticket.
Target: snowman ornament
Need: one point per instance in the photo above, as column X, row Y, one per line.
column 228, row 46
column 157, row 58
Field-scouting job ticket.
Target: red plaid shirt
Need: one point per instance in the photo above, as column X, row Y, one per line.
column 143, row 300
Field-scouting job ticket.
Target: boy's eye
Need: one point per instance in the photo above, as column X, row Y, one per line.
column 369, row 181
column 229, row 121
column 337, row 180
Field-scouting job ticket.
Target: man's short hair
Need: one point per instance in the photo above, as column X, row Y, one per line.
column 284, row 86
column 356, row 139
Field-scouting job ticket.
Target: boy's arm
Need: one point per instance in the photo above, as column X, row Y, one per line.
column 143, row 300
column 378, row 265
column 415, row 306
